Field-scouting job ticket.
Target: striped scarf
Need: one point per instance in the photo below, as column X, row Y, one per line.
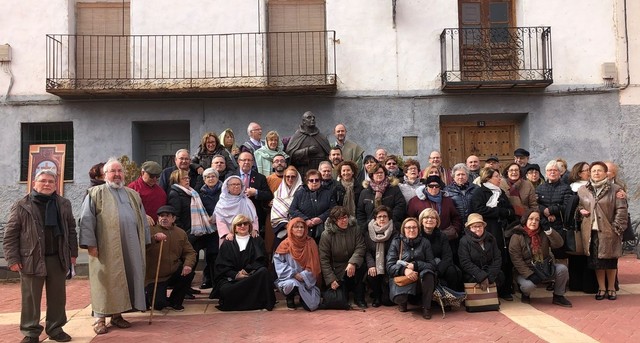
column 199, row 219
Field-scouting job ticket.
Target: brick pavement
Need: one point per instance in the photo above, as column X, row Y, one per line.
column 605, row 321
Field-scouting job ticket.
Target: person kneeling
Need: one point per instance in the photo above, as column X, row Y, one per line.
column 528, row 244
column 176, row 263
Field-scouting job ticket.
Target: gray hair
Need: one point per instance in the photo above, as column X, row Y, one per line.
column 323, row 163
column 460, row 166
column 209, row 171
column 108, row 164
column 553, row 163
column 46, row 172
column 180, row 151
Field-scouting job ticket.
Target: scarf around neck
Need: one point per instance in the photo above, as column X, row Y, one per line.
column 437, row 199
column 536, row 250
column 200, row 224
column 282, row 198
column 349, row 197
column 51, row 213
column 379, row 235
column 513, row 187
column 230, row 205
column 304, row 249
column 379, row 188
column 493, row 200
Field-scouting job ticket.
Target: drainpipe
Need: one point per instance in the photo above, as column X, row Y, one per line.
column 626, row 44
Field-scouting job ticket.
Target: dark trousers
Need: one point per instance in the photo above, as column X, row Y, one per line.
column 208, row 243
column 426, row 284
column 355, row 283
column 31, row 289
column 179, row 283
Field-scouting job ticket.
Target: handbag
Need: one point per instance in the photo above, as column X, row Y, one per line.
column 478, row 300
column 334, row 299
column 572, row 238
column 446, row 296
column 545, row 269
column 402, row 280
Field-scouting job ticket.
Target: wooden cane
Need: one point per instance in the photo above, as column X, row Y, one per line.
column 155, row 285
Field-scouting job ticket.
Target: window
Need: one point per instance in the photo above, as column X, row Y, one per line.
column 46, row 133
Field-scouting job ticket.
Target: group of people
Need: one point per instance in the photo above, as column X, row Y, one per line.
column 307, row 218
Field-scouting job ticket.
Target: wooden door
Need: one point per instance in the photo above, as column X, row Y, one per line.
column 102, row 48
column 294, row 51
column 487, row 48
column 458, row 140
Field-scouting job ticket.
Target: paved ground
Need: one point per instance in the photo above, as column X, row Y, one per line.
column 588, row 321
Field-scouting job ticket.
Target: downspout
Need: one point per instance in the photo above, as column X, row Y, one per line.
column 626, row 44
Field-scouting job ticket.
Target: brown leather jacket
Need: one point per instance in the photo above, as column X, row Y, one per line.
column 24, row 236
column 521, row 255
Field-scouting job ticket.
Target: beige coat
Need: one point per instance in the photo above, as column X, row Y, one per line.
column 611, row 214
column 526, row 200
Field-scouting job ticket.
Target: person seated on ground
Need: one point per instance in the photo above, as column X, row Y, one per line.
column 297, row 265
column 448, row 273
column 264, row 156
column 410, row 255
column 378, row 237
column 176, row 264
column 380, row 190
column 233, row 201
column 312, row 203
column 282, row 198
column 530, row 243
column 347, row 190
column 342, row 250
column 480, row 258
column 411, row 180
column 242, row 281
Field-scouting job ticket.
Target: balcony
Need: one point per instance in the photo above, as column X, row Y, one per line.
column 211, row 65
column 496, row 58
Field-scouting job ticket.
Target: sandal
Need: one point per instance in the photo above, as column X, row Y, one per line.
column 600, row 294
column 120, row 322
column 100, row 327
column 611, row 295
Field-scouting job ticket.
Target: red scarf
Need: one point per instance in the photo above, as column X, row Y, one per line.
column 535, row 241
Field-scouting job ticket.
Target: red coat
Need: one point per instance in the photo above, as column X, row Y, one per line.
column 449, row 216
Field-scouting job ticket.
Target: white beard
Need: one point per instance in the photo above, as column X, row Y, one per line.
column 115, row 184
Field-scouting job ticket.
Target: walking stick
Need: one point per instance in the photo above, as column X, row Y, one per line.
column 155, row 285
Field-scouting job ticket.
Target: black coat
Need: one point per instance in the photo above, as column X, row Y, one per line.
column 477, row 263
column 210, row 198
column 441, row 250
column 391, row 198
column 264, row 196
column 497, row 218
column 166, row 174
column 461, row 197
column 181, row 201
column 339, row 192
column 417, row 251
column 556, row 197
column 370, row 254
column 307, row 204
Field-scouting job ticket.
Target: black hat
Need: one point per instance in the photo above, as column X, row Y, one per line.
column 531, row 166
column 434, row 178
column 492, row 158
column 167, row 209
column 521, row 152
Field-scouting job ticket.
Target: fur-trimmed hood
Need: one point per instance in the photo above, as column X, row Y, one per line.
column 393, row 181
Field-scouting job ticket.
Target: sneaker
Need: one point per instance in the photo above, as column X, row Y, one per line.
column 561, row 300
column 526, row 299
column 61, row 337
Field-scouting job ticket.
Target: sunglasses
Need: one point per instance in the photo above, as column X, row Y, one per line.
column 313, row 180
column 290, row 176
column 433, row 186
column 243, row 224
column 153, row 176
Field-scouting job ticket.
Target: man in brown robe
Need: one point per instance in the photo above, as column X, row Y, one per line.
column 307, row 146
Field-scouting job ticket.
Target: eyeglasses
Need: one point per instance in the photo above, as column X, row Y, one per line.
column 245, row 160
column 584, row 170
column 313, row 180
column 153, row 176
column 235, row 185
column 476, row 226
column 382, row 216
column 290, row 176
column 430, row 218
column 433, row 186
column 243, row 224
column 298, row 227
column 514, row 170
column 391, row 163
column 410, row 228
column 210, row 177
column 185, row 178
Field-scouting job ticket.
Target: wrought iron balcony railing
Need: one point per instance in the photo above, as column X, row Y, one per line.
column 496, row 58
column 190, row 65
